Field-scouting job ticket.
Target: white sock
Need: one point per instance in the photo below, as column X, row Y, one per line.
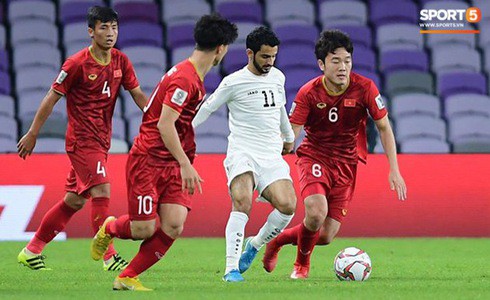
column 276, row 222
column 235, row 230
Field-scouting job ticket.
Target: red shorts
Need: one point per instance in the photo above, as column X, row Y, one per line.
column 88, row 169
column 150, row 185
column 336, row 180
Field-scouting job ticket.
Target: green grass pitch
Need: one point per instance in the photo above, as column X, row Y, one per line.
column 192, row 269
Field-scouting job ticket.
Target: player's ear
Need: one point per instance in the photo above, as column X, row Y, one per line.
column 321, row 65
column 220, row 49
column 91, row 32
column 250, row 54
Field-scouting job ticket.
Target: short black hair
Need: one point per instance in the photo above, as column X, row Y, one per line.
column 214, row 30
column 329, row 41
column 261, row 36
column 100, row 13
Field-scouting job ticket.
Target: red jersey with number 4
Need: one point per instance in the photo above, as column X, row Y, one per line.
column 91, row 90
column 182, row 90
column 335, row 125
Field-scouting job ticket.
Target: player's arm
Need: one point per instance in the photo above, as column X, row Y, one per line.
column 170, row 137
column 139, row 97
column 287, row 132
column 296, row 129
column 218, row 98
column 388, row 140
column 28, row 141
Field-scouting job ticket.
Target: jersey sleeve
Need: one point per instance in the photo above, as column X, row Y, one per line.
column 375, row 103
column 178, row 94
column 129, row 81
column 300, row 109
column 221, row 95
column 67, row 76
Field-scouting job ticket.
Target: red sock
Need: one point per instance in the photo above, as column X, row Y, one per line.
column 289, row 236
column 306, row 242
column 53, row 222
column 120, row 228
column 100, row 212
column 151, row 251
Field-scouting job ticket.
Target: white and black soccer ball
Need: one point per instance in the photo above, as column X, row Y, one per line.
column 352, row 264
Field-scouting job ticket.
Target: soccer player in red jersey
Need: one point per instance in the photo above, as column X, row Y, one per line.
column 159, row 173
column 90, row 81
column 333, row 109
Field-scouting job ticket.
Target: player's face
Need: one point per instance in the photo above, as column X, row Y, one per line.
column 105, row 34
column 337, row 67
column 221, row 52
column 264, row 59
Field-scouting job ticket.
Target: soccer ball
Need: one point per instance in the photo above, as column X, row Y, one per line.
column 352, row 264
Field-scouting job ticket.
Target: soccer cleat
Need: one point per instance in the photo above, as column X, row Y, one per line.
column 115, row 263
column 101, row 241
column 247, row 256
column 270, row 255
column 233, row 276
column 33, row 262
column 129, row 284
column 300, row 272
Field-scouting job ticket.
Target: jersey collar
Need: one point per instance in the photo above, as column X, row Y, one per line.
column 332, row 93
column 100, row 62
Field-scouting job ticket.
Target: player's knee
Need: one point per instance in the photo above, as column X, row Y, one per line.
column 101, row 190
column 142, row 231
column 174, row 230
column 242, row 204
column 288, row 206
column 315, row 219
column 75, row 202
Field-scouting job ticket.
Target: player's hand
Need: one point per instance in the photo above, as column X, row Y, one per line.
column 397, row 183
column 190, row 178
column 287, row 148
column 26, row 144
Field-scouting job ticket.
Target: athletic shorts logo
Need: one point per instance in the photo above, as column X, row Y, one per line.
column 344, row 212
column 179, row 96
column 92, row 76
column 61, row 77
column 379, row 102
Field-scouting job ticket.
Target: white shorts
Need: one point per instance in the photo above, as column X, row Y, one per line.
column 264, row 174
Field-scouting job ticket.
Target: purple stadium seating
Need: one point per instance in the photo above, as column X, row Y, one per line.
column 297, row 34
column 180, row 35
column 140, row 33
column 360, row 35
column 398, row 60
column 457, row 83
column 4, row 61
column 73, row 12
column 388, row 11
column 241, row 11
column 137, row 11
column 4, row 83
column 364, row 58
column 234, row 60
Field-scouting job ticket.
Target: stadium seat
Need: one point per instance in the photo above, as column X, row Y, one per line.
column 34, row 31
column 184, row 11
column 8, row 146
column 343, row 13
column 4, row 60
column 148, row 78
column 211, row 143
column 484, row 38
column 76, row 11
column 235, row 59
column 147, row 57
column 297, row 34
column 445, row 4
column 296, row 56
column 19, row 11
column 118, row 128
column 7, row 108
column 181, row 53
column 403, row 82
column 458, row 83
column 387, row 12
column 118, row 146
column 244, row 28
column 289, row 11
column 53, row 127
column 3, row 37
column 296, row 78
column 137, row 11
column 360, row 35
column 424, row 145
column 472, row 145
column 46, row 56
column 216, row 2
column 467, row 104
column 216, row 124
column 241, row 11
column 469, row 127
column 399, row 36
column 28, row 104
column 50, row 145
column 435, row 41
column 211, row 82
column 118, row 111
column 455, row 59
column 134, row 123
column 180, row 35
column 415, row 104
column 75, row 47
column 8, row 128
column 4, row 83
column 365, row 59
column 140, row 34
column 420, row 126
column 75, row 33
column 130, row 108
column 34, row 79
column 403, row 60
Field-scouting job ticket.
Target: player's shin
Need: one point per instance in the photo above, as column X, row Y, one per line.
column 276, row 222
column 234, row 235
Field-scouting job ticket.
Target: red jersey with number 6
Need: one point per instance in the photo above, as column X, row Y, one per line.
column 182, row 90
column 91, row 89
column 335, row 125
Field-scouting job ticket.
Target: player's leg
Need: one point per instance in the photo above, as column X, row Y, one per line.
column 53, row 222
column 241, row 192
column 281, row 195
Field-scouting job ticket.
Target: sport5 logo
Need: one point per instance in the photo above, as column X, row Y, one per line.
column 471, row 15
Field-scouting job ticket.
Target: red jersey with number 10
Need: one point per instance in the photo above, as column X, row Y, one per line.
column 182, row 90
column 335, row 125
column 91, row 90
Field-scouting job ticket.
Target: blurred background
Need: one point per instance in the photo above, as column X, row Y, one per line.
column 435, row 85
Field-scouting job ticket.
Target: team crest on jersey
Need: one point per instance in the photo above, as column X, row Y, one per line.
column 179, row 96
column 321, row 105
column 350, row 102
column 61, row 77
column 292, row 109
column 92, row 76
column 379, row 102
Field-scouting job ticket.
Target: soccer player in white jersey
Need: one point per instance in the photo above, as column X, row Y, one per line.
column 260, row 133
